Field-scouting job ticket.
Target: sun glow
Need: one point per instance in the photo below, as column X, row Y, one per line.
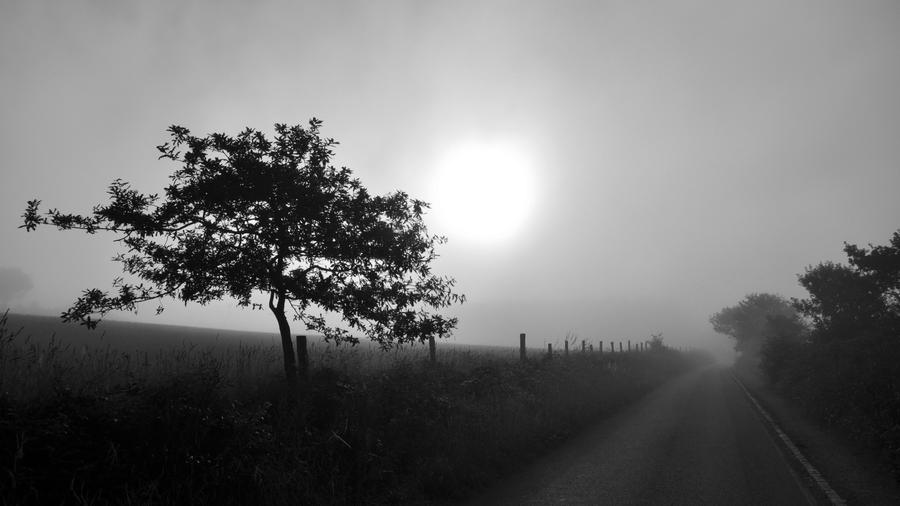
column 483, row 191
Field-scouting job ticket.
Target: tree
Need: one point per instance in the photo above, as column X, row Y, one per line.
column 862, row 298
column 13, row 284
column 843, row 303
column 246, row 215
column 882, row 265
column 747, row 322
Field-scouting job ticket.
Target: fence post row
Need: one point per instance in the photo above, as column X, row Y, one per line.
column 639, row 347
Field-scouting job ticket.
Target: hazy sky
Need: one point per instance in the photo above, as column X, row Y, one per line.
column 663, row 158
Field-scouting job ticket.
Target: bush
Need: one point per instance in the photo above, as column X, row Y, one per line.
column 849, row 385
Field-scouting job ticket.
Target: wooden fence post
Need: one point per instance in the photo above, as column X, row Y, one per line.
column 432, row 352
column 549, row 350
column 522, row 347
column 600, row 347
column 582, row 346
column 612, row 347
column 302, row 357
column 591, row 347
column 629, row 346
column 620, row 346
column 566, row 342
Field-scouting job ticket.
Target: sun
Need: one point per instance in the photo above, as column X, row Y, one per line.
column 483, row 191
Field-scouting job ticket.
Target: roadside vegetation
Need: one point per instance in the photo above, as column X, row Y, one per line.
column 214, row 425
column 836, row 353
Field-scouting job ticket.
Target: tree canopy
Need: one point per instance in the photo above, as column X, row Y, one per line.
column 245, row 215
column 748, row 322
column 862, row 298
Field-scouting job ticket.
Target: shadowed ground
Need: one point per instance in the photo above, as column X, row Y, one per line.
column 694, row 441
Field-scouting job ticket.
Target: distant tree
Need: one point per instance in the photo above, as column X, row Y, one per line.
column 13, row 284
column 862, row 298
column 882, row 264
column 245, row 215
column 747, row 322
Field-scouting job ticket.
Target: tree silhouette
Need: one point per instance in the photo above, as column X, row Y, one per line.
column 247, row 215
column 855, row 300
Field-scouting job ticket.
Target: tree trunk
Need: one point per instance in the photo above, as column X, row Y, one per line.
column 287, row 347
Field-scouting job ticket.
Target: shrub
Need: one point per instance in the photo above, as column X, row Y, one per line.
column 850, row 385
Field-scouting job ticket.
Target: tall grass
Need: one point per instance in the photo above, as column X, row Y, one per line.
column 195, row 425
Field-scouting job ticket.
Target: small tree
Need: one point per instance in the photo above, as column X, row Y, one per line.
column 747, row 321
column 843, row 303
column 246, row 215
column 882, row 264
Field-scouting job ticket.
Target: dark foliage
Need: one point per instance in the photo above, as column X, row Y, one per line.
column 843, row 303
column 781, row 337
column 849, row 385
column 855, row 300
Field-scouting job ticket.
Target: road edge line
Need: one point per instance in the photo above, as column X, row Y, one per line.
column 813, row 473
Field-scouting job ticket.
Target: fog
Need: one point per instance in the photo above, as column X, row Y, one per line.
column 682, row 155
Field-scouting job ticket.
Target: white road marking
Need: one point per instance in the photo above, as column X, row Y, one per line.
column 810, row 470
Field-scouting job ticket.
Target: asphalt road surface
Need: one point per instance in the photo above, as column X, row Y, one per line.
column 697, row 440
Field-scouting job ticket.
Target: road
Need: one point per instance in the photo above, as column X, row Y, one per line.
column 697, row 440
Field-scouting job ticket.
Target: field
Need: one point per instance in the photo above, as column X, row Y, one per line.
column 171, row 415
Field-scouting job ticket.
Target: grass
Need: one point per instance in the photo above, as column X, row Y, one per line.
column 213, row 425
